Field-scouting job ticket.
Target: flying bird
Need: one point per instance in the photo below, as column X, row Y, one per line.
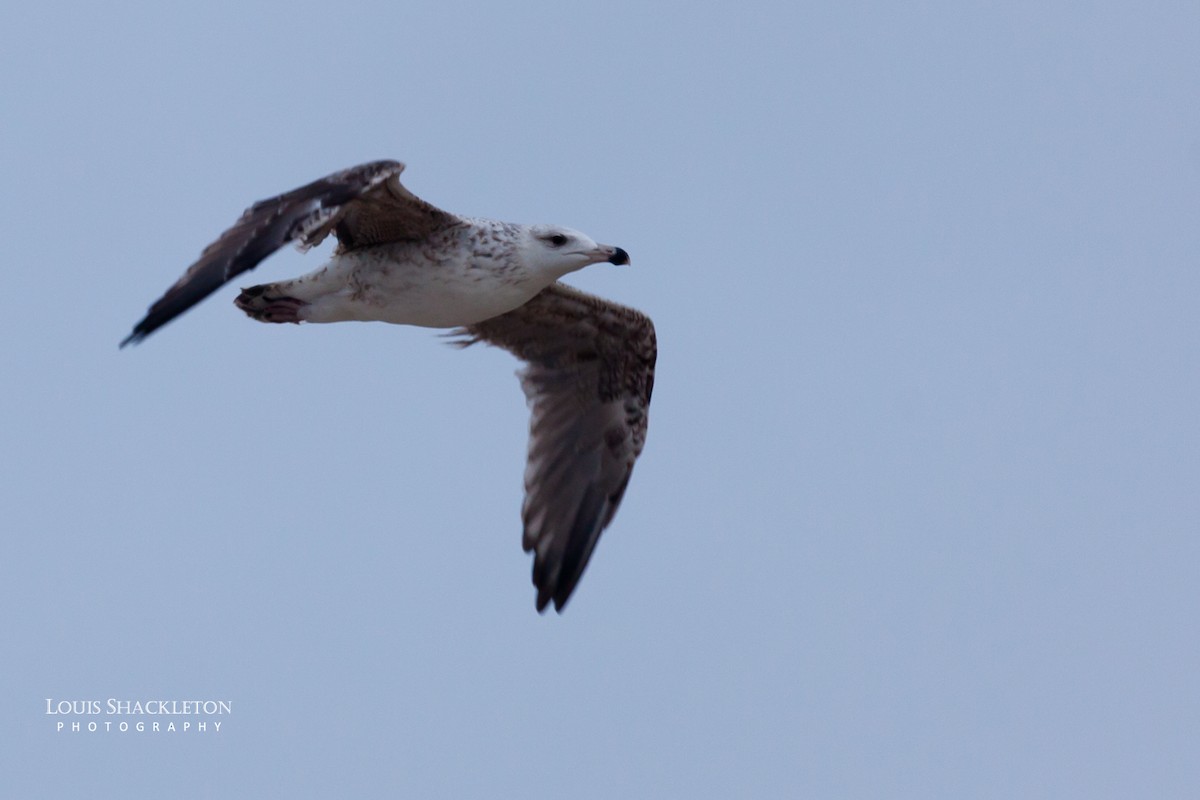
column 589, row 363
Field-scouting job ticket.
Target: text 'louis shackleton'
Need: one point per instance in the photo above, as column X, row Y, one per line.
column 180, row 715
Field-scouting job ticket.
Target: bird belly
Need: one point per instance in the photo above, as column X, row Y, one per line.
column 377, row 286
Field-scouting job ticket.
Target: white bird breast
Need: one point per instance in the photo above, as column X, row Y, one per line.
column 401, row 284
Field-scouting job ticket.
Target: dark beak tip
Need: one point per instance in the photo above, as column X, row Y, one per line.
column 619, row 256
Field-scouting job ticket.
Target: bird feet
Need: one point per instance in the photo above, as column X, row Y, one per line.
column 265, row 308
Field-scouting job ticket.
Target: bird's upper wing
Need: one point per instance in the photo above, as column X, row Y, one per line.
column 588, row 381
column 362, row 206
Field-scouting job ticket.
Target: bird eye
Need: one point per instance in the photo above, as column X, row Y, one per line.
column 557, row 240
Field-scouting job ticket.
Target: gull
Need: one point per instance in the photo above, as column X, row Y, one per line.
column 589, row 362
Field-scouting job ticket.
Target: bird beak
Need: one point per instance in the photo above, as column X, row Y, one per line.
column 615, row 255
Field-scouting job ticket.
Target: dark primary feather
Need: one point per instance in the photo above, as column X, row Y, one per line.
column 362, row 206
column 588, row 382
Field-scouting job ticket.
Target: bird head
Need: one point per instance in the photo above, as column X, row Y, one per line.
column 557, row 250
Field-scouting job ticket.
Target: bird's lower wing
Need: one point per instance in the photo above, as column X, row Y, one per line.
column 588, row 382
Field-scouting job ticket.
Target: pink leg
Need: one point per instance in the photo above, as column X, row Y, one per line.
column 267, row 308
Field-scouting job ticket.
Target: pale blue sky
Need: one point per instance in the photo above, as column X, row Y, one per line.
column 917, row 516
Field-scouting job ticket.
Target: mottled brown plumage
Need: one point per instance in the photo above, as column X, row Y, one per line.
column 364, row 206
column 588, row 382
